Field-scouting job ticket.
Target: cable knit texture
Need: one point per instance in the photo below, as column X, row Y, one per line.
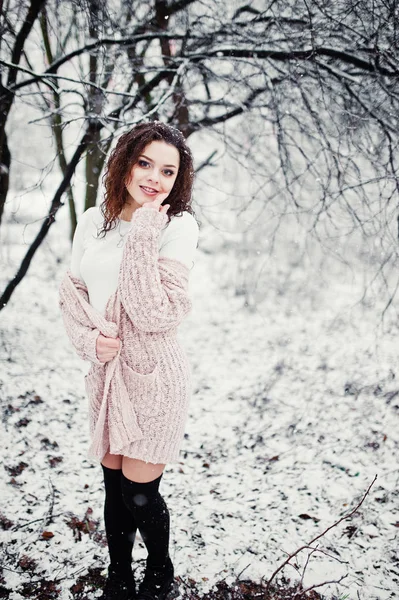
column 138, row 401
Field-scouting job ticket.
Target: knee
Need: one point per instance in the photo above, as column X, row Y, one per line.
column 137, row 494
column 140, row 471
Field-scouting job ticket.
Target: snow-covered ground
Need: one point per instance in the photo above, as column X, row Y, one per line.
column 294, row 411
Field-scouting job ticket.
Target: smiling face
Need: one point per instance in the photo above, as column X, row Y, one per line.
column 154, row 173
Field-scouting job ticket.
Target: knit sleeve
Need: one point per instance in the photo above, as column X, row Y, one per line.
column 77, row 325
column 153, row 289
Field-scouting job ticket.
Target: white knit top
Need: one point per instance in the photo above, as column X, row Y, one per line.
column 96, row 260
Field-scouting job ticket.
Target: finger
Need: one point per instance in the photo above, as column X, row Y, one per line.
column 111, row 343
column 153, row 204
column 111, row 346
column 165, row 208
column 162, row 197
column 106, row 357
column 110, row 351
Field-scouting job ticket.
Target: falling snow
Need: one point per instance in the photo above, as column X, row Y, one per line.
column 294, row 411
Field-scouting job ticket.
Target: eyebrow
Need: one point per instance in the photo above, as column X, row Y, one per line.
column 150, row 159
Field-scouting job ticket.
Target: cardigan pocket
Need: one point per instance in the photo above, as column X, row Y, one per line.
column 94, row 391
column 144, row 390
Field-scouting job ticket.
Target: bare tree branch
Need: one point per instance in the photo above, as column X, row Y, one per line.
column 323, row 533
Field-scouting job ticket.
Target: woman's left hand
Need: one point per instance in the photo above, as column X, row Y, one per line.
column 157, row 203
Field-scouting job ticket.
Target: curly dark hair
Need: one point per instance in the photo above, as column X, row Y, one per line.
column 125, row 155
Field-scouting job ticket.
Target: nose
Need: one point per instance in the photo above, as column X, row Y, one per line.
column 154, row 175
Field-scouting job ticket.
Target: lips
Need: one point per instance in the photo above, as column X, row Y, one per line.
column 148, row 190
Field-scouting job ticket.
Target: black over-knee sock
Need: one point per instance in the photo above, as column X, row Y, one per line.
column 120, row 525
column 151, row 515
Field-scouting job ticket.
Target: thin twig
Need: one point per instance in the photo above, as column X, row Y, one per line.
column 312, row 587
column 50, row 516
column 16, row 527
column 321, row 534
column 313, row 550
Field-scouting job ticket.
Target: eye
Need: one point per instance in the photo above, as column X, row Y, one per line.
column 168, row 172
column 143, row 163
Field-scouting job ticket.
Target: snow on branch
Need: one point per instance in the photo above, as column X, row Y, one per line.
column 286, row 55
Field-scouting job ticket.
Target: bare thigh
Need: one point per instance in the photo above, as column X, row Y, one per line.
column 112, row 461
column 140, row 471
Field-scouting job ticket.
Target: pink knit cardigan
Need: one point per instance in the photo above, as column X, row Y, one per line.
column 138, row 401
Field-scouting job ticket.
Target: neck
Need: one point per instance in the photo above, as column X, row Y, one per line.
column 127, row 212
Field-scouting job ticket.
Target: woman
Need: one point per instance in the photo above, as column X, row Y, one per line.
column 121, row 301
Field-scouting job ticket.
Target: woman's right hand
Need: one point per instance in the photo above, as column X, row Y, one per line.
column 107, row 348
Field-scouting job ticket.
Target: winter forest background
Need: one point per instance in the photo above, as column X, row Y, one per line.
column 291, row 110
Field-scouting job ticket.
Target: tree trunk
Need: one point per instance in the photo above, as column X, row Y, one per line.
column 5, row 161
column 56, row 125
column 55, row 206
column 93, row 171
column 7, row 97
